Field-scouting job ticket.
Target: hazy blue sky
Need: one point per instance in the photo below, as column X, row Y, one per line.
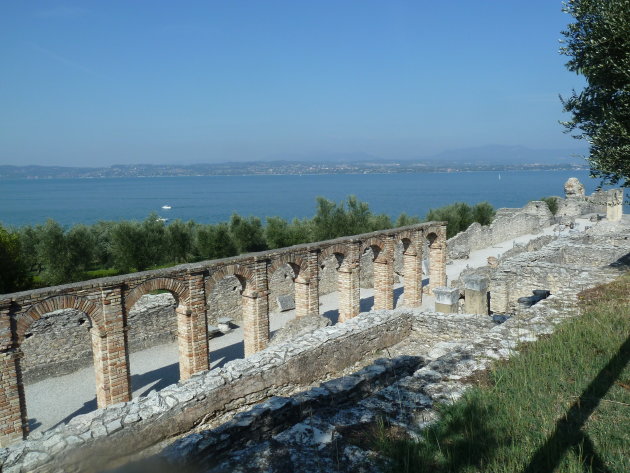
column 101, row 82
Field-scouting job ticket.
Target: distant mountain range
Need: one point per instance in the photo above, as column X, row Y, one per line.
column 471, row 159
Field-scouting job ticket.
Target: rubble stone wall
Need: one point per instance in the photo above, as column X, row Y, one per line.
column 91, row 441
column 507, row 224
column 59, row 343
column 569, row 261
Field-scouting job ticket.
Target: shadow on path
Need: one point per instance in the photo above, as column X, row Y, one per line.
column 157, row 379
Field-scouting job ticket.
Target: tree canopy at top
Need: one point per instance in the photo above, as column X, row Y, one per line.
column 598, row 43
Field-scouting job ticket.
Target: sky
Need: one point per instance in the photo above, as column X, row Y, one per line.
column 94, row 83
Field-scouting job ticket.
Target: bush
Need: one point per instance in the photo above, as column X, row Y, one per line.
column 552, row 203
column 459, row 216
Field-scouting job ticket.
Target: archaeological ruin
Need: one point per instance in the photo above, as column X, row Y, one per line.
column 293, row 404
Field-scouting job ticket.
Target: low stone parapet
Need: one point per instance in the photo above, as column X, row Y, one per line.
column 93, row 441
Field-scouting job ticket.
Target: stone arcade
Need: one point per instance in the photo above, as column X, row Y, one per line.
column 107, row 301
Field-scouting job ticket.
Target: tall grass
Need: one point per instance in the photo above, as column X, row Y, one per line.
column 562, row 404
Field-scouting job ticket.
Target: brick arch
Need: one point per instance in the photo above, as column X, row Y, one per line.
column 432, row 238
column 93, row 310
column 297, row 264
column 336, row 249
column 408, row 246
column 244, row 274
column 378, row 248
column 175, row 287
column 409, row 240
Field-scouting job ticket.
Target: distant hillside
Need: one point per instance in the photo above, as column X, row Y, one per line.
column 495, row 158
column 498, row 154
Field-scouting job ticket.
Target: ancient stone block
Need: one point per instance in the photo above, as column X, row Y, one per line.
column 286, row 302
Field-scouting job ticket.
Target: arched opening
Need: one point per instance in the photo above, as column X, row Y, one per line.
column 56, row 338
column 152, row 324
column 339, row 271
column 226, row 317
column 366, row 277
column 282, row 295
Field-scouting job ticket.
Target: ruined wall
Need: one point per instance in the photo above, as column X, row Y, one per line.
column 225, row 301
column 570, row 261
column 507, row 224
column 56, row 344
column 60, row 343
column 91, row 441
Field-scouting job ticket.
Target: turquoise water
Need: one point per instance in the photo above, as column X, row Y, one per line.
column 214, row 198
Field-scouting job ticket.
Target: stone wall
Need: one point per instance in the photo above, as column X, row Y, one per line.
column 56, row 344
column 569, row 261
column 507, row 224
column 447, row 349
column 91, row 442
column 60, row 342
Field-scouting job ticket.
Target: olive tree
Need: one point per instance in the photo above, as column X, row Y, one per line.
column 598, row 44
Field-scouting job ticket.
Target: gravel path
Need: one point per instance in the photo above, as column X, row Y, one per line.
column 55, row 400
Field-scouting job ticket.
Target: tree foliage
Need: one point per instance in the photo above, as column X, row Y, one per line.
column 57, row 255
column 598, row 44
column 14, row 274
column 459, row 216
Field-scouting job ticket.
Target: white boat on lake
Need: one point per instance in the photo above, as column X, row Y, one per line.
column 166, row 207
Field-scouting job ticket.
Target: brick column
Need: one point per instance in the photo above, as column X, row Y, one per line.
column 192, row 328
column 312, row 262
column 349, row 284
column 412, row 267
column 111, row 355
column 437, row 261
column 13, row 417
column 256, row 311
column 301, row 296
column 307, row 287
column 384, row 276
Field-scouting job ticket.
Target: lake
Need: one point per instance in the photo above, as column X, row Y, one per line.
column 211, row 199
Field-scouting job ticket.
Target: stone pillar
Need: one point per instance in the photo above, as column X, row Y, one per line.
column 412, row 268
column 384, row 276
column 13, row 417
column 349, row 283
column 614, row 205
column 256, row 311
column 192, row 328
column 476, row 295
column 109, row 348
column 446, row 299
column 437, row 260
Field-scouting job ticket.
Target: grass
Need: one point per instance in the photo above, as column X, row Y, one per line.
column 562, row 404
